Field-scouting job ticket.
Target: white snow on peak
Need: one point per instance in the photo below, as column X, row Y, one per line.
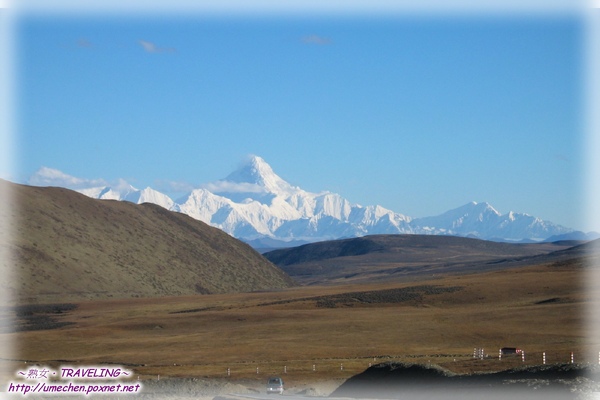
column 484, row 221
column 255, row 171
column 119, row 191
column 150, row 195
column 253, row 202
column 125, row 192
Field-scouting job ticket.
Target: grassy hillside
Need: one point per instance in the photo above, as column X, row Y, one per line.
column 68, row 247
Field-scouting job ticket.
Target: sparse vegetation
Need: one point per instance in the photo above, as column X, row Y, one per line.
column 373, row 297
column 69, row 247
column 202, row 336
column 391, row 296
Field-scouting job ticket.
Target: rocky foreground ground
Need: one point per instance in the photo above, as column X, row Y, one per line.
column 190, row 388
column 205, row 389
column 410, row 381
column 415, row 382
column 387, row 381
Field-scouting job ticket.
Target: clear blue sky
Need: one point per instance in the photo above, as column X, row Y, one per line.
column 419, row 115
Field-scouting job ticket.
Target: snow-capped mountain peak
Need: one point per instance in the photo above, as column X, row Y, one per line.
column 150, row 195
column 253, row 203
column 256, row 171
column 124, row 191
column 118, row 191
column 484, row 221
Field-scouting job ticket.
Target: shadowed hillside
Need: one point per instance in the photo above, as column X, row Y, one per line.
column 384, row 257
column 400, row 380
column 68, row 247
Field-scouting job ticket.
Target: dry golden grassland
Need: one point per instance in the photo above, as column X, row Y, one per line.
column 338, row 329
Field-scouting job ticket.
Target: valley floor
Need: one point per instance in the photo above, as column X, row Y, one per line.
column 315, row 334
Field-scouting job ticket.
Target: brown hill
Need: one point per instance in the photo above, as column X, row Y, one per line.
column 65, row 246
column 385, row 257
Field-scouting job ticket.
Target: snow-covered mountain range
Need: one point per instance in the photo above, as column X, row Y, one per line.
column 254, row 204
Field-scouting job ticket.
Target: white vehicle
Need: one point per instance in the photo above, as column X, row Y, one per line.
column 275, row 385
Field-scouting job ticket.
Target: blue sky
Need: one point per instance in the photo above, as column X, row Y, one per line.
column 417, row 114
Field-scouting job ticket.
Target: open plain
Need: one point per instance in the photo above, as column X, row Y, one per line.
column 317, row 333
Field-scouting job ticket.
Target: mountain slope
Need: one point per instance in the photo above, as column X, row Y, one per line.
column 66, row 247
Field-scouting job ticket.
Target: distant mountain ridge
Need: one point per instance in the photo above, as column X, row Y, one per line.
column 482, row 221
column 253, row 203
column 376, row 258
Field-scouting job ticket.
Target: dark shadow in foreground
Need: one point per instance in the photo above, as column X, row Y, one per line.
column 412, row 381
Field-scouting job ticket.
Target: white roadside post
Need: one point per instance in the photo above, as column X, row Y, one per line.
column 572, row 358
column 523, row 356
column 544, row 358
column 500, row 354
